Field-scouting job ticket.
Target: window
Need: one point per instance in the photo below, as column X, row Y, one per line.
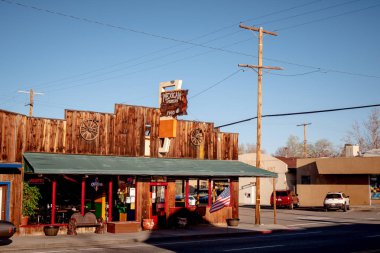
column 375, row 186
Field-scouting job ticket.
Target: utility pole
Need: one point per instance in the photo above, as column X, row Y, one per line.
column 304, row 138
column 259, row 68
column 31, row 99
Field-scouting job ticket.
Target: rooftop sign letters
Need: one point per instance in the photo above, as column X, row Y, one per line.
column 173, row 103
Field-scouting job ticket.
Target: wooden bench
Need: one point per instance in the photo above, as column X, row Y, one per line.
column 88, row 220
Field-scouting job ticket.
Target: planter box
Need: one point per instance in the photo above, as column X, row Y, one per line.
column 51, row 230
column 124, row 227
column 233, row 222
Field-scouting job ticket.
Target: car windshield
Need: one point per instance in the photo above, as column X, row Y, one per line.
column 333, row 196
column 282, row 193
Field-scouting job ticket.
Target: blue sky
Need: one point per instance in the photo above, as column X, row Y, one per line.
column 91, row 54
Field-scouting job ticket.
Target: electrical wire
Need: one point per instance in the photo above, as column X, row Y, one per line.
column 299, row 113
column 216, row 84
column 197, row 44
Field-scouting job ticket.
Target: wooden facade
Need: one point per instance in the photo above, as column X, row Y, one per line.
column 122, row 133
column 119, row 134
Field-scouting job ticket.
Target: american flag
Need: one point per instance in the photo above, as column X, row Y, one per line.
column 222, row 200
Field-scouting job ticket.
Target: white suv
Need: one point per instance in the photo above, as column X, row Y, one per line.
column 336, row 200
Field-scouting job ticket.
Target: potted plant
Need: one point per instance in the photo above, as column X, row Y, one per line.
column 31, row 196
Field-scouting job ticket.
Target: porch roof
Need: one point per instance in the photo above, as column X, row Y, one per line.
column 48, row 163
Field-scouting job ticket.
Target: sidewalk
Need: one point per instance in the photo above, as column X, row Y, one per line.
column 19, row 243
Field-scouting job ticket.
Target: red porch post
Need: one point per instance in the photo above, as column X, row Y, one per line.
column 83, row 196
column 187, row 193
column 209, row 192
column 53, row 201
column 110, row 200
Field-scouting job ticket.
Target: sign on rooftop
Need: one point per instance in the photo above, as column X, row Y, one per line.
column 173, row 103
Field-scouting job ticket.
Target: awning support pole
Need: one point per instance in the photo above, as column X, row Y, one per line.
column 83, row 196
column 187, row 193
column 53, row 201
column 110, row 200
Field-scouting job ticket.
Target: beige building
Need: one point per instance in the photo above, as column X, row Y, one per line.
column 247, row 186
column 358, row 177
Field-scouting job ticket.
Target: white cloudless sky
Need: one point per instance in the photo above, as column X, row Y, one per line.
column 91, row 54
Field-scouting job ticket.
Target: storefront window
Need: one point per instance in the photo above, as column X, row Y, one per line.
column 126, row 198
column 375, row 186
column 218, row 188
column 180, row 193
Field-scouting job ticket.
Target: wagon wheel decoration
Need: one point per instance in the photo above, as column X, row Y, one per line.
column 89, row 129
column 196, row 136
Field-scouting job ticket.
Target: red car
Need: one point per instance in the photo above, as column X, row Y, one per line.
column 285, row 198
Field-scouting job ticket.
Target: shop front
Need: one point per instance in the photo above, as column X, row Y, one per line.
column 131, row 189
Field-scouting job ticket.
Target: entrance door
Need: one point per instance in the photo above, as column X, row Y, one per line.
column 3, row 202
column 159, row 203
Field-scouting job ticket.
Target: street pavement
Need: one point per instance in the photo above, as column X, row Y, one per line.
column 246, row 227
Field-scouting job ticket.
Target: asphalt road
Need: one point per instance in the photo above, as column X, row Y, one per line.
column 314, row 231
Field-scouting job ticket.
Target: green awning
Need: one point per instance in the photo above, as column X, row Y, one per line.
column 47, row 163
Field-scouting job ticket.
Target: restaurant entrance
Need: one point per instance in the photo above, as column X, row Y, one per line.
column 158, row 193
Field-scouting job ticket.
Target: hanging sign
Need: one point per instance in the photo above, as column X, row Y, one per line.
column 173, row 103
column 96, row 184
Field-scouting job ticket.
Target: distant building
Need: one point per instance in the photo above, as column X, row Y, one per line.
column 247, row 185
column 357, row 176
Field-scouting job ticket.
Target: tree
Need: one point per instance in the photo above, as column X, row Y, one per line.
column 245, row 148
column 366, row 136
column 322, row 148
column 294, row 148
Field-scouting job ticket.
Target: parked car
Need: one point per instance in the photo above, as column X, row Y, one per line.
column 191, row 200
column 336, row 200
column 7, row 229
column 285, row 198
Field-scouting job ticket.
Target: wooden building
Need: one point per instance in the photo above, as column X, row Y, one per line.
column 130, row 155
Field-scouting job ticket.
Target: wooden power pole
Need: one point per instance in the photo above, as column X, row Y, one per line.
column 304, row 138
column 31, row 99
column 259, row 68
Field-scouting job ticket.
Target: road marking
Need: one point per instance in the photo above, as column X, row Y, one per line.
column 304, row 224
column 262, row 247
column 313, row 218
column 109, row 246
column 373, row 236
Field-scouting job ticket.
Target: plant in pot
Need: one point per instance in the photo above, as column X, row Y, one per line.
column 31, row 196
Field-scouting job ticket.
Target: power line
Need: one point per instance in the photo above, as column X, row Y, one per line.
column 330, row 17
column 202, row 45
column 217, row 83
column 299, row 113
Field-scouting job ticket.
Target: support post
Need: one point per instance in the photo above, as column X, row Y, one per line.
column 83, row 197
column 260, row 68
column 274, row 202
column 53, row 200
column 110, row 185
column 187, row 193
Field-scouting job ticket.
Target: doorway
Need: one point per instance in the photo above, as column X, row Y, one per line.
column 3, row 202
column 158, row 193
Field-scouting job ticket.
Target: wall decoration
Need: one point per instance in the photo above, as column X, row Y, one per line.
column 89, row 129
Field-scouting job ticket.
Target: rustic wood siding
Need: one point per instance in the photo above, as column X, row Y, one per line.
column 121, row 133
column 102, row 145
column 130, row 126
column 44, row 135
column 15, row 181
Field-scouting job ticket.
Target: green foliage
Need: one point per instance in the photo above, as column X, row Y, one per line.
column 31, row 196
